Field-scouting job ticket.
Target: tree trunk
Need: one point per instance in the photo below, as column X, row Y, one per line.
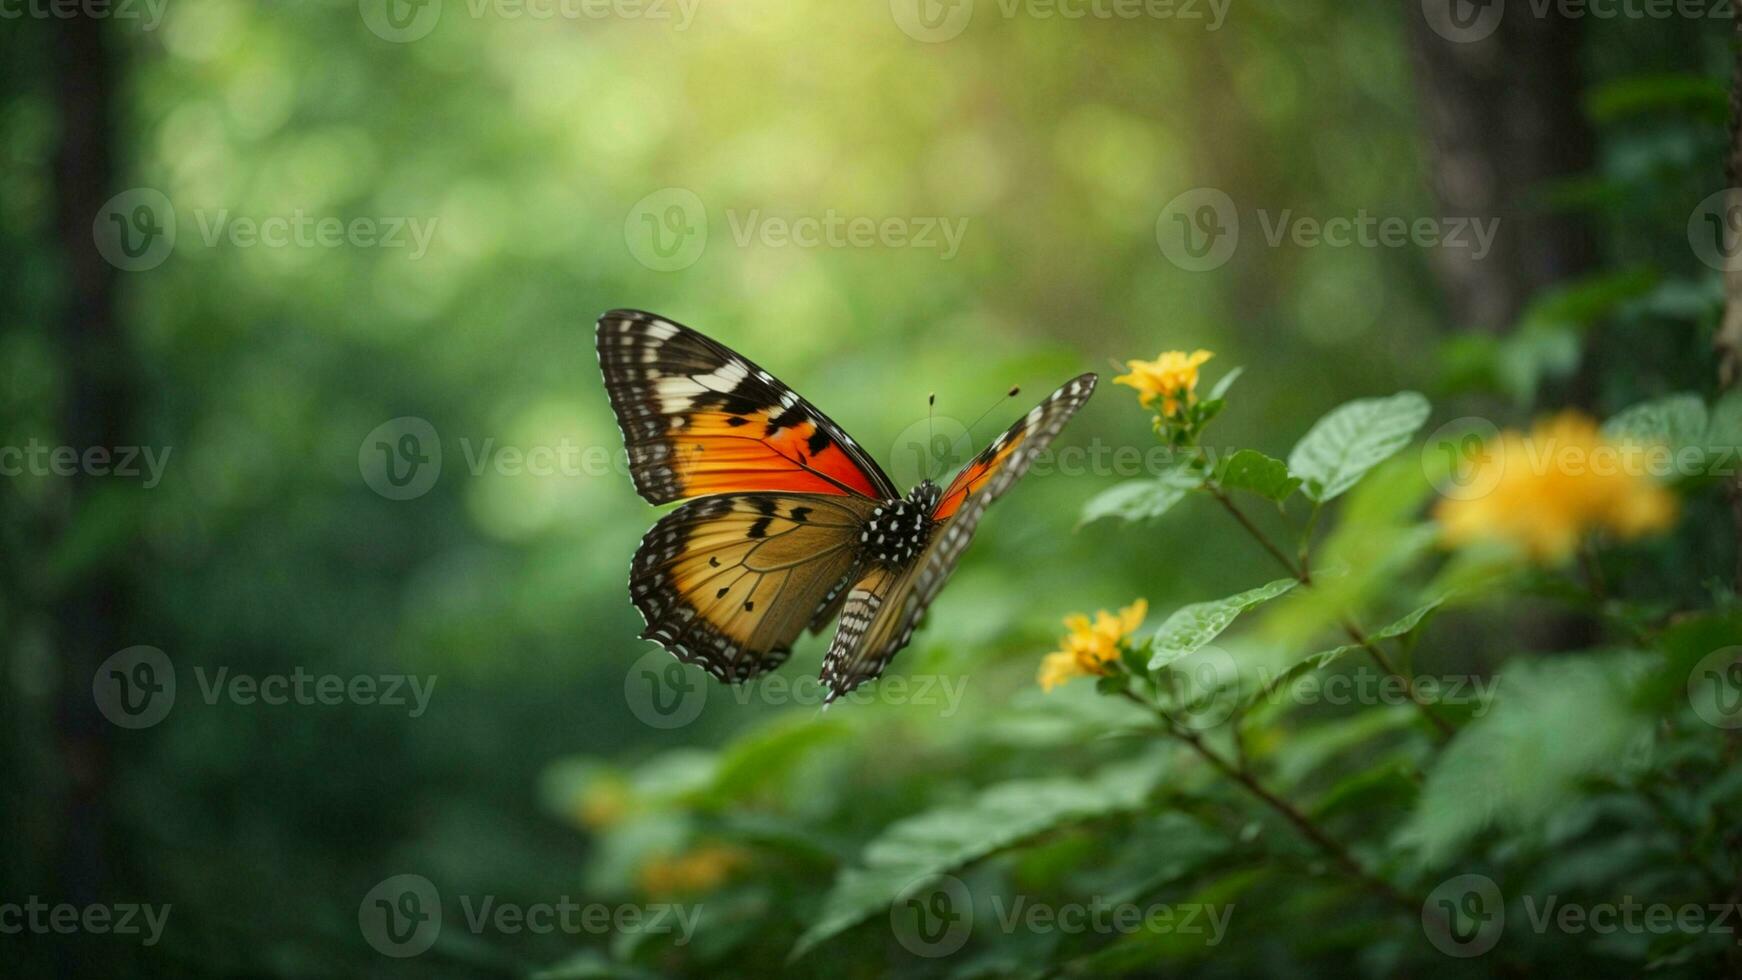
column 1501, row 118
column 88, row 612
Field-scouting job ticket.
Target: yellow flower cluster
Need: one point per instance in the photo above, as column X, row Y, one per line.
column 1089, row 648
column 699, row 870
column 1172, row 378
column 602, row 804
column 1542, row 492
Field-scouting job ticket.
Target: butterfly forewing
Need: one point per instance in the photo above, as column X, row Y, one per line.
column 884, row 607
column 700, row 419
column 729, row 582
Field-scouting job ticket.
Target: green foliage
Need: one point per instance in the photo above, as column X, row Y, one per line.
column 939, row 841
column 1189, row 628
column 1341, row 447
column 1516, row 767
column 1143, row 499
column 1590, row 769
column 1260, row 474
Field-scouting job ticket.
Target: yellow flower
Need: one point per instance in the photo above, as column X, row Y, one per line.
column 1542, row 492
column 1090, row 647
column 701, row 869
column 1172, row 377
column 603, row 803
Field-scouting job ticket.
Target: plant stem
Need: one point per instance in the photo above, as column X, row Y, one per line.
column 1303, row 573
column 1258, row 535
column 1333, row 849
column 1359, row 636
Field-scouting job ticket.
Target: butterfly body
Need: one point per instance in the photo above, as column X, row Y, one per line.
column 789, row 523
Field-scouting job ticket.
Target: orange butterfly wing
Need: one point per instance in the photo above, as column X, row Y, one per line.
column 700, row 419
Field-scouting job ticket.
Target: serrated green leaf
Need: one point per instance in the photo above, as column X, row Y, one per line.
column 1260, row 474
column 1142, row 500
column 1191, row 627
column 1676, row 421
column 945, row 839
column 1341, row 447
column 1520, row 763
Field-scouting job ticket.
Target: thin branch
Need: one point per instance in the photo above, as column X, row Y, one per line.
column 1354, row 631
column 1334, row 849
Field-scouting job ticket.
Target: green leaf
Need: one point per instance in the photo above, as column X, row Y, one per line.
column 1191, row 627
column 1392, row 631
column 1341, row 447
column 1724, row 428
column 945, row 839
column 1263, row 475
column 1226, row 382
column 1553, row 723
column 1636, row 95
column 1141, row 500
column 1676, row 421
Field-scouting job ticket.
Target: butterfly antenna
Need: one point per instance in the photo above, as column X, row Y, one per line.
column 969, row 434
column 931, row 402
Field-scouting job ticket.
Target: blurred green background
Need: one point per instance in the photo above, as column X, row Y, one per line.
column 536, row 151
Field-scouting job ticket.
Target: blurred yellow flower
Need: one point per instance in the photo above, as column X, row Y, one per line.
column 1171, row 377
column 1089, row 648
column 603, row 803
column 1543, row 491
column 700, row 869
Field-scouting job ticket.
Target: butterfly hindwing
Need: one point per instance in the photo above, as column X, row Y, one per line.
column 700, row 419
column 729, row 582
column 886, row 605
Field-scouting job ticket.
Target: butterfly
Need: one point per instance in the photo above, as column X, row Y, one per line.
column 788, row 523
